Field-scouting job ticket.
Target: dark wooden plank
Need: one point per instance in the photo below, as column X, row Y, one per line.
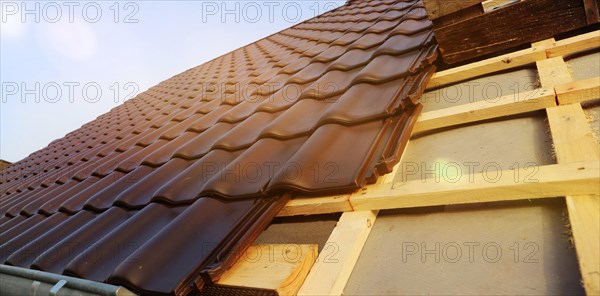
column 521, row 23
column 591, row 11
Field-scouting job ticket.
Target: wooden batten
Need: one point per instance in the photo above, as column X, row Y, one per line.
column 539, row 51
column 538, row 99
column 577, row 178
column 578, row 91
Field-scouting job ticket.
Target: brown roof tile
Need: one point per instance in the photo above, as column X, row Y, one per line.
column 204, row 160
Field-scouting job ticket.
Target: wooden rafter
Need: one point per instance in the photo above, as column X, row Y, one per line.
column 574, row 141
column 336, row 261
column 330, row 274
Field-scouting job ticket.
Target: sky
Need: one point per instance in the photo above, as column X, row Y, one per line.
column 64, row 63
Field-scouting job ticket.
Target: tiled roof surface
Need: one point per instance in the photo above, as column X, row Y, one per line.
column 164, row 187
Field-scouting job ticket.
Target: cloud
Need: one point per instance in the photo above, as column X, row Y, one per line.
column 76, row 41
column 12, row 27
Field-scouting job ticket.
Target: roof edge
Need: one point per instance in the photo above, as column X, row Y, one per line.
column 22, row 281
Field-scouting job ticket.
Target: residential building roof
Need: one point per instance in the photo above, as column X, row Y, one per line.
column 158, row 194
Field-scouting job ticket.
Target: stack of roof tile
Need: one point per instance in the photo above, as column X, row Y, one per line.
column 159, row 193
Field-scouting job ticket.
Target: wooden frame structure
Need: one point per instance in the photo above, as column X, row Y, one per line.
column 540, row 99
column 576, row 176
